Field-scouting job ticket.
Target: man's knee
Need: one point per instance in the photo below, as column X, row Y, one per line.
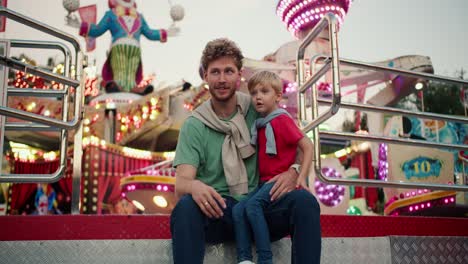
column 304, row 200
column 185, row 208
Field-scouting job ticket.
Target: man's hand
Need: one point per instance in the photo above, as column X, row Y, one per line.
column 285, row 182
column 302, row 183
column 209, row 201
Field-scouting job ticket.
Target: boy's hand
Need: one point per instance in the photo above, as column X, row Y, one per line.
column 209, row 201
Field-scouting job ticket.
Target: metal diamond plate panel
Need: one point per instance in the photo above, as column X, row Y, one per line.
column 226, row 253
column 335, row 250
column 86, row 251
column 356, row 250
column 406, row 249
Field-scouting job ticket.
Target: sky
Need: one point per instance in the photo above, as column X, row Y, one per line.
column 373, row 30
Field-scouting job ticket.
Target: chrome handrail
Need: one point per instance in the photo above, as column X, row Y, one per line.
column 18, row 65
column 391, row 110
column 72, row 124
column 64, row 125
column 404, row 72
column 17, row 126
column 40, row 26
column 401, row 141
column 36, row 44
column 396, row 111
column 328, row 19
column 331, row 21
column 35, row 92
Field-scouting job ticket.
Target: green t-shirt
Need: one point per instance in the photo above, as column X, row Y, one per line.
column 200, row 146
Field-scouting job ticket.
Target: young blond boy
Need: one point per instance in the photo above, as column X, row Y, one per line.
column 277, row 138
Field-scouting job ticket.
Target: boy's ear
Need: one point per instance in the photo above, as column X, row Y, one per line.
column 279, row 96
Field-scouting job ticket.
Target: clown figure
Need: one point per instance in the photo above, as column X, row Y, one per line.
column 45, row 200
column 122, row 70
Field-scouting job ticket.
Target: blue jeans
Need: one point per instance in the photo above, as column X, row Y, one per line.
column 296, row 213
column 248, row 216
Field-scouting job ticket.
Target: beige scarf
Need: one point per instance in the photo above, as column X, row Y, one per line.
column 236, row 145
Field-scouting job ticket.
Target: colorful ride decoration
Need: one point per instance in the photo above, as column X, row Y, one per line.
column 418, row 164
column 123, row 70
column 151, row 189
column 131, row 116
column 302, row 15
column 329, row 194
column 39, row 199
column 103, row 166
column 416, row 202
column 332, row 198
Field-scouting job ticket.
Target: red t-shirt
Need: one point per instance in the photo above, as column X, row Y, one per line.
column 287, row 135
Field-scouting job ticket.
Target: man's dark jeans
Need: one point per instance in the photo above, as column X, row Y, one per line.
column 296, row 213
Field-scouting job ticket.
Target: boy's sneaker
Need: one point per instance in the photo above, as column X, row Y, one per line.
column 246, row 262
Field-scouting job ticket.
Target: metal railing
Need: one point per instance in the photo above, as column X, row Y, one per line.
column 41, row 122
column 332, row 62
column 65, row 124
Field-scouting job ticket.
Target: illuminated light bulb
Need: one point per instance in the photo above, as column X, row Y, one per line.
column 418, row 86
column 138, row 205
column 160, row 201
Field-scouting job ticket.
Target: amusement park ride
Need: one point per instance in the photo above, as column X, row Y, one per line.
column 112, row 154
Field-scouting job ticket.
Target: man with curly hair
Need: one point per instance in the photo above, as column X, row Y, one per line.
column 216, row 167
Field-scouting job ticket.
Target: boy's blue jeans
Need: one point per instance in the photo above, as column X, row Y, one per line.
column 296, row 213
column 248, row 217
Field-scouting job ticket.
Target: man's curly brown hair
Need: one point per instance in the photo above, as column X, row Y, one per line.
column 219, row 48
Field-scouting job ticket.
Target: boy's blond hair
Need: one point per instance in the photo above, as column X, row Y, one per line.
column 266, row 78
